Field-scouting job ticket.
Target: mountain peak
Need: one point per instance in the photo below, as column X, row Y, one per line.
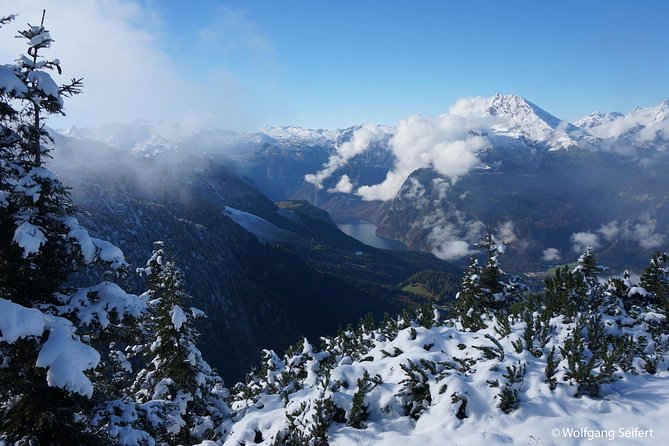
column 295, row 133
column 517, row 117
column 644, row 127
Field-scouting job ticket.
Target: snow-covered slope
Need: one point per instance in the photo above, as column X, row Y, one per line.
column 517, row 117
column 463, row 373
column 646, row 127
column 595, row 119
column 265, row 231
column 303, row 136
column 532, row 375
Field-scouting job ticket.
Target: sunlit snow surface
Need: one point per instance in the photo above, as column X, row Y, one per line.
column 265, row 231
column 543, row 418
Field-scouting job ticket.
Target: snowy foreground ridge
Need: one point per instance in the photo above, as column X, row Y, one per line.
column 531, row 375
column 633, row 402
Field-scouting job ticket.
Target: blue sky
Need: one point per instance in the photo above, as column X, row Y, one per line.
column 250, row 64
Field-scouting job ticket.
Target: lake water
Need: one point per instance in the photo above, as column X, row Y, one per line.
column 365, row 232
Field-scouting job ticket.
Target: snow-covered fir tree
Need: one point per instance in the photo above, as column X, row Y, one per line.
column 51, row 336
column 186, row 395
column 655, row 279
column 488, row 288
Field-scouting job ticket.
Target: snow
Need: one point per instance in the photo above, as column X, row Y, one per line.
column 80, row 235
column 9, row 82
column 45, row 83
column 94, row 305
column 43, row 38
column 302, row 136
column 263, row 229
column 107, row 252
column 66, row 358
column 634, row 400
column 63, row 354
column 119, row 417
column 197, row 313
column 29, row 237
column 178, row 317
column 30, row 184
column 17, row 321
column 93, row 248
column 643, row 127
column 517, row 117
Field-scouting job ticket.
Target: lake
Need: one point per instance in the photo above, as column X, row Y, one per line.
column 365, row 232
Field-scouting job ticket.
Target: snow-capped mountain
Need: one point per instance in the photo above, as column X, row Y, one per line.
column 646, row 127
column 303, row 136
column 595, row 119
column 518, row 118
column 149, row 139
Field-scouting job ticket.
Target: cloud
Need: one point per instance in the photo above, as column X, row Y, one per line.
column 445, row 143
column 448, row 143
column 551, row 255
column 133, row 69
column 506, row 233
column 470, row 106
column 440, row 186
column 343, row 185
column 643, row 231
column 610, row 230
column 414, row 190
column 581, row 240
column 643, row 124
column 358, row 143
column 447, row 244
column 452, row 236
column 231, row 30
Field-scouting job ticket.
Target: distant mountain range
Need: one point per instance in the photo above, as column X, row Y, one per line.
column 502, row 163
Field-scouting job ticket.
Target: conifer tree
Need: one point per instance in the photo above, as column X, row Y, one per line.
column 491, row 273
column 190, row 392
column 655, row 279
column 41, row 244
column 467, row 302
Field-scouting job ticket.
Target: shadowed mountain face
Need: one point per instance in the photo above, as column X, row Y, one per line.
column 550, row 210
column 256, row 295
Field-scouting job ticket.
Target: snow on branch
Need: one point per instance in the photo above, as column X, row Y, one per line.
column 63, row 354
column 96, row 304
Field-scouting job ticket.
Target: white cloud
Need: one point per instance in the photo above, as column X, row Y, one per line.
column 581, row 240
column 470, row 106
column 343, row 185
column 441, row 187
column 551, row 255
column 415, row 191
column 644, row 123
column 447, row 245
column 124, row 54
column 448, row 143
column 643, row 231
column 610, row 230
column 445, row 143
column 358, row 143
column 506, row 233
